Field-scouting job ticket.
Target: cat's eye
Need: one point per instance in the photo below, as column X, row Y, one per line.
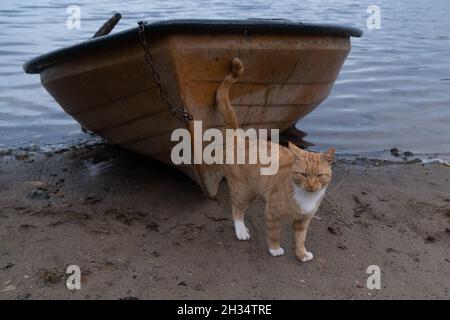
column 320, row 175
column 303, row 174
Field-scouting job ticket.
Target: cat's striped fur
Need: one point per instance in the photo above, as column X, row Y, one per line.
column 295, row 192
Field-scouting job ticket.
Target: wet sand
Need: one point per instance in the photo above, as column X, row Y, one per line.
column 139, row 229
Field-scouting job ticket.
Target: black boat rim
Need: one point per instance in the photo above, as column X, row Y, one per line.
column 250, row 26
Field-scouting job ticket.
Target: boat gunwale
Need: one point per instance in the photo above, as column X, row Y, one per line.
column 260, row 26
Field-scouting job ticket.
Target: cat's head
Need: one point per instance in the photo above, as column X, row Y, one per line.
column 311, row 171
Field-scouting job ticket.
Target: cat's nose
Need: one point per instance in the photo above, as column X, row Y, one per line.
column 311, row 186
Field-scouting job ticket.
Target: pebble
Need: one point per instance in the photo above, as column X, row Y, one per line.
column 408, row 154
column 5, row 152
column 38, row 194
column 395, row 152
column 22, row 156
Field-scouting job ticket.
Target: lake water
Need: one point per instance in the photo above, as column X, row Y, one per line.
column 393, row 91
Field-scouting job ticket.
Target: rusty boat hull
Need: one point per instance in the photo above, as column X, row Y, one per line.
column 107, row 84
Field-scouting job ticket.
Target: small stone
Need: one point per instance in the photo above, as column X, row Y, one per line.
column 24, row 296
column 408, row 154
column 8, row 266
column 155, row 254
column 5, row 152
column 38, row 194
column 335, row 231
column 395, row 152
column 152, row 226
column 51, row 276
column 22, row 156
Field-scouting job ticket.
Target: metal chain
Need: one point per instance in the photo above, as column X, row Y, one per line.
column 179, row 113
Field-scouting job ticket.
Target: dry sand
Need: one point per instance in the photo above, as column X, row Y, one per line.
column 139, row 229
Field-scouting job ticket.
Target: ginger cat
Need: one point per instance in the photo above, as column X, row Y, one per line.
column 295, row 192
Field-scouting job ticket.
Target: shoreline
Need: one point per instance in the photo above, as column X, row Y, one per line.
column 140, row 229
column 383, row 157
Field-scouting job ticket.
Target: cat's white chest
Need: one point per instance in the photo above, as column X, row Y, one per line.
column 308, row 201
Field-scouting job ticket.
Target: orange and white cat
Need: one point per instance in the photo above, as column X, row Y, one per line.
column 295, row 192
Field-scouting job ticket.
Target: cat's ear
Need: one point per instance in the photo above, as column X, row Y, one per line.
column 329, row 155
column 295, row 149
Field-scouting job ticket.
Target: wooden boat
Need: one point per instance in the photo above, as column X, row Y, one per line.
column 135, row 87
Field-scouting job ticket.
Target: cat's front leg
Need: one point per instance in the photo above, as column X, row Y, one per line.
column 241, row 230
column 273, row 230
column 300, row 228
column 238, row 208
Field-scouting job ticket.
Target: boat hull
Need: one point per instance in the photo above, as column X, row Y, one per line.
column 110, row 91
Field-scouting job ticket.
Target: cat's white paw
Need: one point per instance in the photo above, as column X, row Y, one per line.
column 241, row 230
column 276, row 252
column 308, row 257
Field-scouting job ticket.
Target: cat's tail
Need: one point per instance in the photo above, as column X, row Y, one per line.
column 223, row 101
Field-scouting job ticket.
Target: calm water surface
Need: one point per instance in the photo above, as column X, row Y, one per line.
column 393, row 91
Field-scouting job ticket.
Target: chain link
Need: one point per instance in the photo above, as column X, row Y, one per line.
column 179, row 113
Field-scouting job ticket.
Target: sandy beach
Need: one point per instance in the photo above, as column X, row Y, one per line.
column 140, row 229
